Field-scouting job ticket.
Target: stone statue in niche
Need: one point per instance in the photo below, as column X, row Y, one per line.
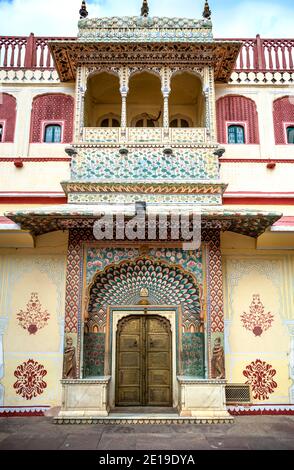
column 218, row 360
column 70, row 363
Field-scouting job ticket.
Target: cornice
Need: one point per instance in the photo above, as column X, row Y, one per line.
column 69, row 55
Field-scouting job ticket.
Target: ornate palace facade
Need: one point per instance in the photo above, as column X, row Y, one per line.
column 136, row 125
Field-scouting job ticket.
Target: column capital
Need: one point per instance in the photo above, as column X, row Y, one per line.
column 290, row 326
column 3, row 324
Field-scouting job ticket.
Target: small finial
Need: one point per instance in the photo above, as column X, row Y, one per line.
column 145, row 9
column 207, row 11
column 83, row 11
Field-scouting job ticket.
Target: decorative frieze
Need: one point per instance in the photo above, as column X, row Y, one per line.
column 144, row 29
column 133, row 135
column 218, row 54
column 98, row 164
column 255, row 77
column 37, row 76
column 96, row 198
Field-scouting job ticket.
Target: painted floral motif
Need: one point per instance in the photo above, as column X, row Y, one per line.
column 30, row 381
column 99, row 258
column 260, row 377
column 33, row 318
column 121, row 285
column 257, row 320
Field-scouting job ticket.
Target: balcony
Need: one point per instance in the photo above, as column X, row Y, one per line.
column 135, row 135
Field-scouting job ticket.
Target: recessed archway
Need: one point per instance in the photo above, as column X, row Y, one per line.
column 186, row 99
column 121, row 284
column 145, row 100
column 102, row 100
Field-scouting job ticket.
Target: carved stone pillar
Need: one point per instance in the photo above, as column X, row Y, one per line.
column 3, row 324
column 209, row 93
column 166, row 74
column 81, row 87
column 124, row 76
column 290, row 325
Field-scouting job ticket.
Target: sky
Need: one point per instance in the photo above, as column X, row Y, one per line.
column 231, row 18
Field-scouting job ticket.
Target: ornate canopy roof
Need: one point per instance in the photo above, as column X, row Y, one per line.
column 144, row 29
column 139, row 41
column 64, row 217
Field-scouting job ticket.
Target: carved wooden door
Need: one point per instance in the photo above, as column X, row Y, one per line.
column 143, row 362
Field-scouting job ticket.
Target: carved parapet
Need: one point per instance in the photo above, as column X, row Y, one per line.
column 141, row 161
column 84, row 398
column 154, row 135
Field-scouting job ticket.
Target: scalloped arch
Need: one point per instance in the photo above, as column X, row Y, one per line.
column 120, row 284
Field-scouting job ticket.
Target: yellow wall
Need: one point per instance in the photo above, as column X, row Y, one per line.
column 22, row 272
column 270, row 275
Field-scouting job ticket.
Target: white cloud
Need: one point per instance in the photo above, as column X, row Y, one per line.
column 243, row 18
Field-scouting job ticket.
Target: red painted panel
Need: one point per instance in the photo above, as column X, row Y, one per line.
column 283, row 114
column 8, row 116
column 237, row 108
column 49, row 108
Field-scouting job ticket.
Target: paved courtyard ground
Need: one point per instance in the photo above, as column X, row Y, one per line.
column 247, row 433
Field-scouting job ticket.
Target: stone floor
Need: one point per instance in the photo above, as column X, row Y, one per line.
column 247, row 432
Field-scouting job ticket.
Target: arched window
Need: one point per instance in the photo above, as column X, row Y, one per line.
column 110, row 122
column 52, row 134
column 179, row 122
column 145, row 122
column 236, row 134
column 234, row 109
column 290, row 134
column 283, row 114
column 7, row 117
column 52, row 109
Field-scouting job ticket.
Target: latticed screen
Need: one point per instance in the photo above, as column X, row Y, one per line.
column 238, row 393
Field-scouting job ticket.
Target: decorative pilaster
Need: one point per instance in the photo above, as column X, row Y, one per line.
column 81, row 87
column 214, row 307
column 3, row 324
column 124, row 76
column 23, row 123
column 290, row 325
column 209, row 93
column 166, row 75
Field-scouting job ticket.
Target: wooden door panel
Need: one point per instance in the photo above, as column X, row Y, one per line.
column 144, row 362
column 158, row 342
column 129, row 362
column 129, row 359
column 158, row 362
column 159, row 377
column 129, row 396
column 158, row 396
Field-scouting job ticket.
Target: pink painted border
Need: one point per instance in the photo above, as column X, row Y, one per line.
column 244, row 124
column 3, row 122
column 52, row 122
column 287, row 124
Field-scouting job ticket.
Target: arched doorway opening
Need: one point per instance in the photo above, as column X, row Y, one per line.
column 145, row 100
column 144, row 361
column 186, row 101
column 102, row 101
column 120, row 285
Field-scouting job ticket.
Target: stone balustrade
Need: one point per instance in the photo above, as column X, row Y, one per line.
column 133, row 135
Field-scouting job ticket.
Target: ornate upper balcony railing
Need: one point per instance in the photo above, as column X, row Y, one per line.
column 26, row 52
column 137, row 135
column 266, row 55
column 257, row 54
